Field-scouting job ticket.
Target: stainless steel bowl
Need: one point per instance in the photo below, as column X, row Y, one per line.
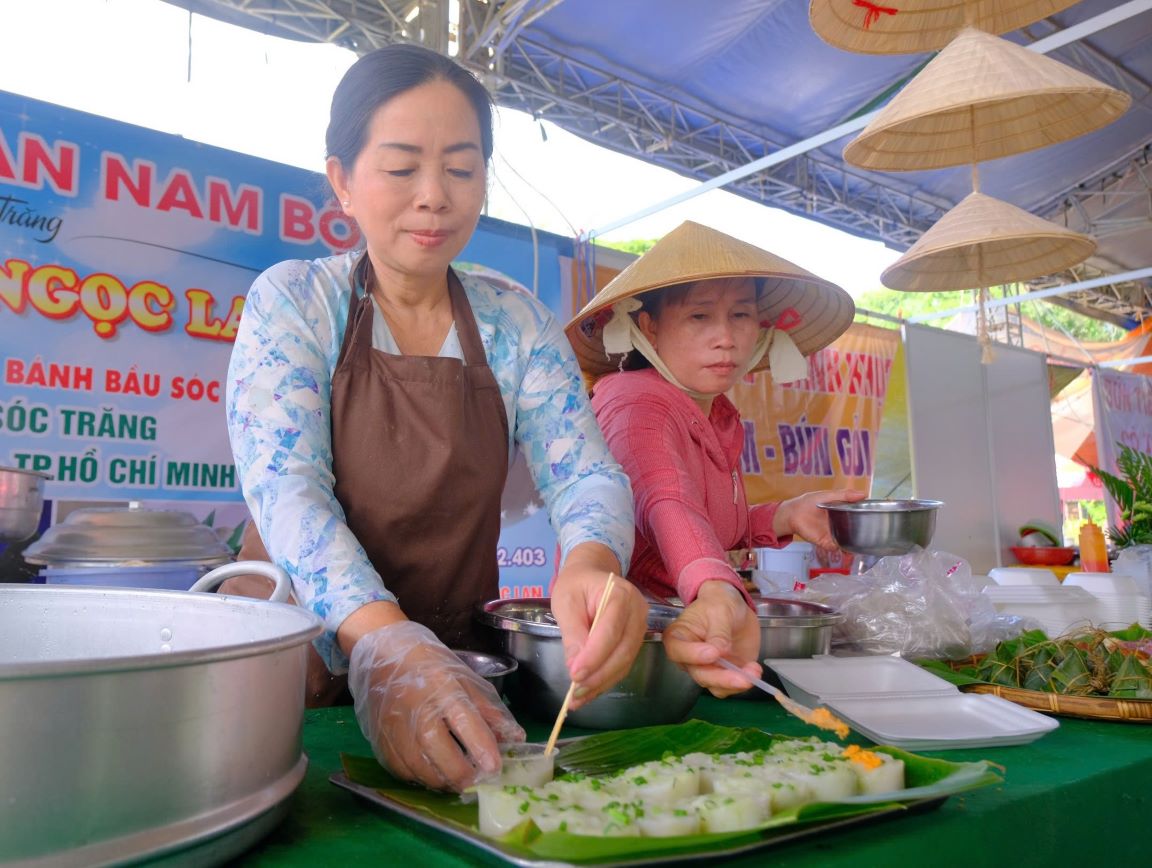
column 792, row 628
column 493, row 668
column 655, row 691
column 878, row 528
column 21, row 502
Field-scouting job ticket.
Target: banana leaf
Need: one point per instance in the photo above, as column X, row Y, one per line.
column 1043, row 666
column 1071, row 675
column 1032, row 653
column 1131, row 679
column 1132, row 634
column 607, row 752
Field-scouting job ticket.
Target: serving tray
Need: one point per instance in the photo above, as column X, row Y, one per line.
column 734, row 846
column 930, row 782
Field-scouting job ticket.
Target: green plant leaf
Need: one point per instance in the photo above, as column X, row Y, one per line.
column 1071, row 675
column 1041, row 670
column 1131, row 679
column 610, row 751
column 1132, row 634
column 235, row 539
column 959, row 676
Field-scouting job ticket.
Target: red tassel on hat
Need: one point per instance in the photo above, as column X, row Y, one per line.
column 874, row 12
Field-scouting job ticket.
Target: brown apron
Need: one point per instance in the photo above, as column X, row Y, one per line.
column 420, row 456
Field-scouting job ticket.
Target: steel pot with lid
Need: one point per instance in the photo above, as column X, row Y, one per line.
column 147, row 724
column 21, row 502
column 133, row 547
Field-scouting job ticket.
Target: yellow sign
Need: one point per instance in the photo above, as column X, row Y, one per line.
column 820, row 432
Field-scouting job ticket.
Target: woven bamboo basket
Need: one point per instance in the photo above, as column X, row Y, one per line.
column 1064, row 705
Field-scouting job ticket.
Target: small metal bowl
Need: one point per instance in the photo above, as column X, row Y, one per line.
column 878, row 528
column 493, row 668
column 794, row 628
column 655, row 690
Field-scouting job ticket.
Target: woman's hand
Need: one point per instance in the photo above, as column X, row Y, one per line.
column 602, row 660
column 718, row 623
column 803, row 517
column 428, row 716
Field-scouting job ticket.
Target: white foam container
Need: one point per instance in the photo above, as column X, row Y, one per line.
column 1024, row 576
column 894, row 702
column 1058, row 609
column 1102, row 583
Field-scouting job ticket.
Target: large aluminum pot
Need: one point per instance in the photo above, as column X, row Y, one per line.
column 654, row 691
column 21, row 502
column 146, row 724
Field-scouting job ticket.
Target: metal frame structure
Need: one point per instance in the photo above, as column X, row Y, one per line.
column 489, row 37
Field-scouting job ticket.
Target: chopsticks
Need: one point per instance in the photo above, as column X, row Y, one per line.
column 551, row 746
column 820, row 717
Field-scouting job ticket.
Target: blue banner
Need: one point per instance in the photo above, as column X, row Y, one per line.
column 125, row 257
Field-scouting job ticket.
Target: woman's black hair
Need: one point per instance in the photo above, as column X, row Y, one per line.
column 385, row 73
column 654, row 303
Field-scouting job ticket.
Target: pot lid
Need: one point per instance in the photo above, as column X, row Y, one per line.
column 128, row 537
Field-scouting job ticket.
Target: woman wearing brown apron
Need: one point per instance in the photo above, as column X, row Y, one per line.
column 374, row 401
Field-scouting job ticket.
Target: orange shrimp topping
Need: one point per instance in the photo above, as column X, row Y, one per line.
column 825, row 719
column 866, row 758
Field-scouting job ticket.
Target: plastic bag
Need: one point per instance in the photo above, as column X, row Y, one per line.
column 1136, row 561
column 922, row 605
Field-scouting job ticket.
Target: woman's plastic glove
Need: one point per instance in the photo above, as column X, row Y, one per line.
column 718, row 623
column 429, row 717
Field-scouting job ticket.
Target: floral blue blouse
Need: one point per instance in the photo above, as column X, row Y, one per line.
column 279, row 401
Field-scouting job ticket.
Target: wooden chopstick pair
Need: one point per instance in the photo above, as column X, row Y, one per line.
column 572, row 687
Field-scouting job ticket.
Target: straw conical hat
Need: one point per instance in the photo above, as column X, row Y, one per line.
column 985, row 242
column 906, row 26
column 813, row 311
column 982, row 98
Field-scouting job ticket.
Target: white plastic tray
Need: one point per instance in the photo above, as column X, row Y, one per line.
column 813, row 680
column 892, row 701
column 967, row 720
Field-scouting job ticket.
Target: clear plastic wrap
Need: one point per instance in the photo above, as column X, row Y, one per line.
column 1136, row 561
column 922, row 605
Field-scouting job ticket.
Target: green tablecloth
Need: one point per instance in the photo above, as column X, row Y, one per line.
column 1080, row 795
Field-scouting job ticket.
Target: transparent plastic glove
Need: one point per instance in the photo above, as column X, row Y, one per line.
column 429, row 718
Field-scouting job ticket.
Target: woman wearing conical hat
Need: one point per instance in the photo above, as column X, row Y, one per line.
column 662, row 343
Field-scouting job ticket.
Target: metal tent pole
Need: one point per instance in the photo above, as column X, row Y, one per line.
column 1049, row 43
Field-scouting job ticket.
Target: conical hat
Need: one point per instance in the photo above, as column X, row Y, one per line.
column 813, row 311
column 982, row 98
column 985, row 242
column 907, row 26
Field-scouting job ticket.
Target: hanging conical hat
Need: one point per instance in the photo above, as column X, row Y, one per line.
column 906, row 26
column 813, row 311
column 985, row 242
column 982, row 98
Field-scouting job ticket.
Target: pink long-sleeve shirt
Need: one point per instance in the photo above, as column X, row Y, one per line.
column 691, row 508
